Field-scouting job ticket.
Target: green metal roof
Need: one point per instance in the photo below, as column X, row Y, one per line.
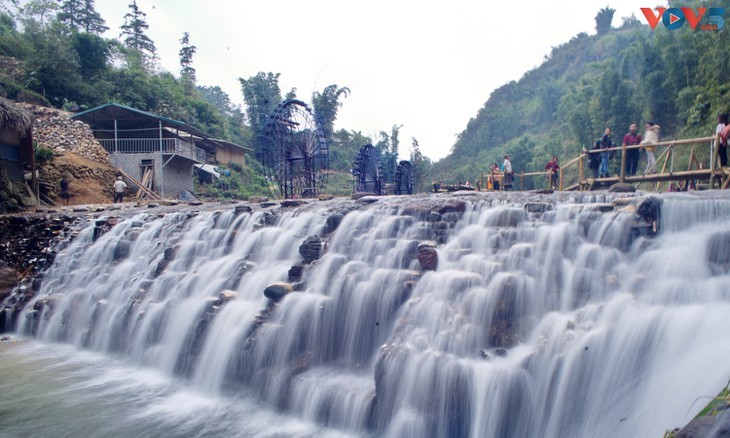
column 102, row 118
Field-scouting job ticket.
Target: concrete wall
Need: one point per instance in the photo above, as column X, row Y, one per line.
column 178, row 174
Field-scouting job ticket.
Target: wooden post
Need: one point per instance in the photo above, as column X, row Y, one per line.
column 522, row 180
column 622, row 175
column 560, row 185
column 713, row 160
column 581, row 172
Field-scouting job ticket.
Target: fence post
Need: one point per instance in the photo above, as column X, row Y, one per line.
column 622, row 175
column 522, row 180
column 561, row 179
column 581, row 172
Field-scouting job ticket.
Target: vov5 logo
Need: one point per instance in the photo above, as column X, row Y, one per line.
column 674, row 18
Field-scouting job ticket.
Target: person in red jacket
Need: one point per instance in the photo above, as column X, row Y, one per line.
column 632, row 138
column 551, row 170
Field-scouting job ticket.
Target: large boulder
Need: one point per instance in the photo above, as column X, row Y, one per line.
column 311, row 249
column 650, row 209
column 277, row 291
column 427, row 256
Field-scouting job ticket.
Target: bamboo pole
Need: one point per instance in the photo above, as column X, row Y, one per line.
column 664, row 167
column 581, row 171
column 522, row 180
column 622, row 173
column 561, row 179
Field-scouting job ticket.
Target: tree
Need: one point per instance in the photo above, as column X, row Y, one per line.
column 421, row 167
column 134, row 33
column 187, row 71
column 604, row 17
column 81, row 16
column 326, row 105
column 262, row 94
column 40, row 10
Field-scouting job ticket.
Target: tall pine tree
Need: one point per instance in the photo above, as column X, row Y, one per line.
column 81, row 16
column 187, row 71
column 134, row 34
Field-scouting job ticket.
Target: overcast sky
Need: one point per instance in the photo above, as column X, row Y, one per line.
column 426, row 66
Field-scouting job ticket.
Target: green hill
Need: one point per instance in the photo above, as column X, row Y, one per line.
column 678, row 78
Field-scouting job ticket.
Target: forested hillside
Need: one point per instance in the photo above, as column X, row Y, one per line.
column 678, row 78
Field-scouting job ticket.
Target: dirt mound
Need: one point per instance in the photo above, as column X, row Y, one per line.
column 90, row 182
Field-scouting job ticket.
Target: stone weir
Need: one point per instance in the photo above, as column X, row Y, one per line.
column 30, row 242
column 464, row 314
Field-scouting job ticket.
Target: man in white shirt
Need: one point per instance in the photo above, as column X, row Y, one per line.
column 119, row 187
column 508, row 173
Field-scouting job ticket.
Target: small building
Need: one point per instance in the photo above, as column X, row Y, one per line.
column 17, row 156
column 230, row 153
column 157, row 151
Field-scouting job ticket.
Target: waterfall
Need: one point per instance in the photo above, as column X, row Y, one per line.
column 543, row 316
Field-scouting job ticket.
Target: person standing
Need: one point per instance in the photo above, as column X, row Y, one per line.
column 721, row 139
column 603, row 172
column 651, row 138
column 508, row 173
column 632, row 138
column 119, row 187
column 65, row 195
column 551, row 170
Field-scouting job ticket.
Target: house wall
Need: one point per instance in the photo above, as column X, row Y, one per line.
column 178, row 173
column 226, row 155
column 178, row 177
column 11, row 164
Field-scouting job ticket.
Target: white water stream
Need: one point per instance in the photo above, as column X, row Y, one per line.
column 549, row 324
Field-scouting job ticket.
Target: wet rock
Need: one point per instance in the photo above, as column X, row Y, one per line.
column 451, row 206
column 257, row 199
column 537, row 207
column 650, row 209
column 543, row 192
column 358, row 195
column 277, row 291
column 427, row 256
column 326, row 197
column 243, row 209
column 8, row 280
column 706, row 426
column 267, row 204
column 368, row 199
column 122, row 249
column 227, row 295
column 622, row 188
column 433, row 217
column 295, row 273
column 604, row 208
column 288, row 203
column 332, row 223
column 311, row 249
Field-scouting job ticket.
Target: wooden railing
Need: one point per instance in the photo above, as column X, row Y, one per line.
column 695, row 169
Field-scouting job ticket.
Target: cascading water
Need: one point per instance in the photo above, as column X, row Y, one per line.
column 544, row 319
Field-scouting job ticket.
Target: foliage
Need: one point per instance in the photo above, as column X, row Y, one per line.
column 187, row 71
column 262, row 94
column 134, row 34
column 604, row 17
column 678, row 78
column 236, row 182
column 325, row 106
column 81, row 16
column 42, row 153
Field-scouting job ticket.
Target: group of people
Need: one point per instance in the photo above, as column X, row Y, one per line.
column 119, row 187
column 601, row 152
